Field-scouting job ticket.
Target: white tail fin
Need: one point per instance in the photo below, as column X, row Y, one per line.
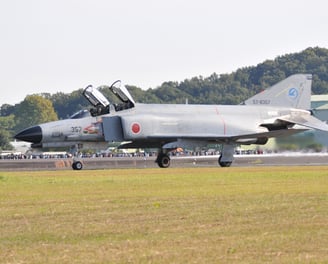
column 294, row 92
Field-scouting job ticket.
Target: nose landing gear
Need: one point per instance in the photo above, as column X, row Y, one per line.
column 77, row 165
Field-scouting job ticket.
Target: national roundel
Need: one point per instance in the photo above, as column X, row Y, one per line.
column 135, row 128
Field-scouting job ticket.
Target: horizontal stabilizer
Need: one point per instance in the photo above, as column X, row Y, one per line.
column 305, row 120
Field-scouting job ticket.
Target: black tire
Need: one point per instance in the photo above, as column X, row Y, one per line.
column 77, row 165
column 163, row 161
column 224, row 163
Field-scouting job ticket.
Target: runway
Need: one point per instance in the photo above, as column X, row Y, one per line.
column 283, row 159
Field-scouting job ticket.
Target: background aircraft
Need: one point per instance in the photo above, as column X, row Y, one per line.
column 281, row 110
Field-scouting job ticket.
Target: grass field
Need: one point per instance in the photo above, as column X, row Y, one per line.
column 196, row 215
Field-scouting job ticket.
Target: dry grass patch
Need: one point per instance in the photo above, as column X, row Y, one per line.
column 199, row 215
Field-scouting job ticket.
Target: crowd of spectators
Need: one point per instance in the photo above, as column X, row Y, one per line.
column 122, row 154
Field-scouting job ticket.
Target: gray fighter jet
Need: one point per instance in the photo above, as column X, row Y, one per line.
column 281, row 110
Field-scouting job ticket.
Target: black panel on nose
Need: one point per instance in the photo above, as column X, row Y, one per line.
column 31, row 134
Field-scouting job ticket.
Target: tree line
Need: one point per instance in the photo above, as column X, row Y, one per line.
column 230, row 88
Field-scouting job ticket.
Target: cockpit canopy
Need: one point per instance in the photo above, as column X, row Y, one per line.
column 95, row 97
column 122, row 93
column 100, row 102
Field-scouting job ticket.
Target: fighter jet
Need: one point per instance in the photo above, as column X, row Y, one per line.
column 281, row 110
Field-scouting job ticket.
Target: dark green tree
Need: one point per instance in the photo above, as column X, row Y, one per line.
column 6, row 125
column 35, row 109
column 7, row 109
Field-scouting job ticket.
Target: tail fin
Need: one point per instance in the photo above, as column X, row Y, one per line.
column 294, row 92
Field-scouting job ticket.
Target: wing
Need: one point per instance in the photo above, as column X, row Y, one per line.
column 173, row 142
column 283, row 126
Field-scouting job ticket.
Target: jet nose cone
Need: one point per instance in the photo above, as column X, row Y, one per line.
column 31, row 134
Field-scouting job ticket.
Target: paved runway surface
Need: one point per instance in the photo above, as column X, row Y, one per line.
column 287, row 159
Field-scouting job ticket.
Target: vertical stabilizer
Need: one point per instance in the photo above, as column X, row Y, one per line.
column 294, row 92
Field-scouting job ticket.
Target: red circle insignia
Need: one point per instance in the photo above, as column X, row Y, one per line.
column 135, row 128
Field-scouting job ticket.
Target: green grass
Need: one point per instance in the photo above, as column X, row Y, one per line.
column 197, row 215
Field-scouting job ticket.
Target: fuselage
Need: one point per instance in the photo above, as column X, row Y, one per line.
column 199, row 120
column 145, row 122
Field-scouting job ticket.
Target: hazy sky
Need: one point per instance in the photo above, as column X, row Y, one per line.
column 63, row 45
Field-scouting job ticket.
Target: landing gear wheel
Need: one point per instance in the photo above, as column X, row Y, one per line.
column 224, row 163
column 163, row 161
column 77, row 165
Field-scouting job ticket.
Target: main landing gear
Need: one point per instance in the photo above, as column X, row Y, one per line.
column 224, row 163
column 225, row 160
column 163, row 160
column 226, row 157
